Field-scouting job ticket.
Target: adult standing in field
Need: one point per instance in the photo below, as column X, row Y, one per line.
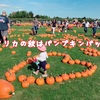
column 94, row 27
column 85, row 25
column 66, row 25
column 35, row 26
column 4, row 26
column 54, row 26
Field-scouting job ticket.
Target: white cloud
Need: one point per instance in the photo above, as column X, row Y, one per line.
column 20, row 9
column 4, row 5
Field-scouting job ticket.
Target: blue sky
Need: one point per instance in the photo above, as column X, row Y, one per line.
column 61, row 8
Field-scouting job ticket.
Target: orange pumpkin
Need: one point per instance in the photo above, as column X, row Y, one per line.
column 13, row 52
column 1, row 49
column 88, row 64
column 21, row 78
column 58, row 79
column 20, row 65
column 23, row 63
column 82, row 49
column 89, row 72
column 84, row 74
column 31, row 79
column 11, row 47
column 54, row 53
column 50, row 80
column 77, row 61
column 40, row 81
column 28, row 54
column 11, row 78
column 25, row 84
column 65, row 60
column 49, row 53
column 94, row 67
column 65, row 77
column 6, row 89
column 71, row 75
column 71, row 62
column 98, row 53
column 16, row 68
column 83, row 63
column 7, row 74
column 59, row 54
column 47, row 66
column 29, row 61
column 94, row 54
column 77, row 74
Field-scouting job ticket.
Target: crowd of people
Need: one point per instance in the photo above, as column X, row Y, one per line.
column 61, row 25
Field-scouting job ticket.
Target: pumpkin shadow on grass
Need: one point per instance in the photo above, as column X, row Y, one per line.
column 98, row 37
column 33, row 66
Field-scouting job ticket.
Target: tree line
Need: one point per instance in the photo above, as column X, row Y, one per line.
column 30, row 15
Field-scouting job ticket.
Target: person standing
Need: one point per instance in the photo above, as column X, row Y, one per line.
column 85, row 25
column 54, row 26
column 35, row 26
column 66, row 25
column 4, row 26
column 94, row 28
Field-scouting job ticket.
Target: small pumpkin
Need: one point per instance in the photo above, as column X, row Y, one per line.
column 11, row 78
column 40, row 81
column 58, row 79
column 88, row 64
column 16, row 68
column 65, row 77
column 84, row 74
column 49, row 53
column 21, row 78
column 31, row 79
column 1, row 49
column 77, row 61
column 71, row 75
column 54, row 53
column 13, row 52
column 83, row 63
column 25, row 84
column 71, row 62
column 59, row 54
column 78, row 75
column 50, row 80
column 47, row 66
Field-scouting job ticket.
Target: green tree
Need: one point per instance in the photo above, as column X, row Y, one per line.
column 31, row 15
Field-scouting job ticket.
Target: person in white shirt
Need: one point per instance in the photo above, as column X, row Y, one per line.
column 86, row 25
column 42, row 61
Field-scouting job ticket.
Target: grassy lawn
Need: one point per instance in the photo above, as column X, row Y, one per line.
column 74, row 89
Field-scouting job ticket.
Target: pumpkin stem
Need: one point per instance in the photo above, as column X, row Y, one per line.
column 11, row 93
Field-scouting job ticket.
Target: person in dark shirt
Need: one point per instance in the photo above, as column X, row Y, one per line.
column 54, row 26
column 4, row 26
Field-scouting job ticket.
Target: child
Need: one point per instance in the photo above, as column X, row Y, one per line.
column 41, row 60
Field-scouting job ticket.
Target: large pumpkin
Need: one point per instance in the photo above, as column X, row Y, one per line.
column 6, row 89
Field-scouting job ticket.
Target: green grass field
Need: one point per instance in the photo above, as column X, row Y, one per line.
column 77, row 89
